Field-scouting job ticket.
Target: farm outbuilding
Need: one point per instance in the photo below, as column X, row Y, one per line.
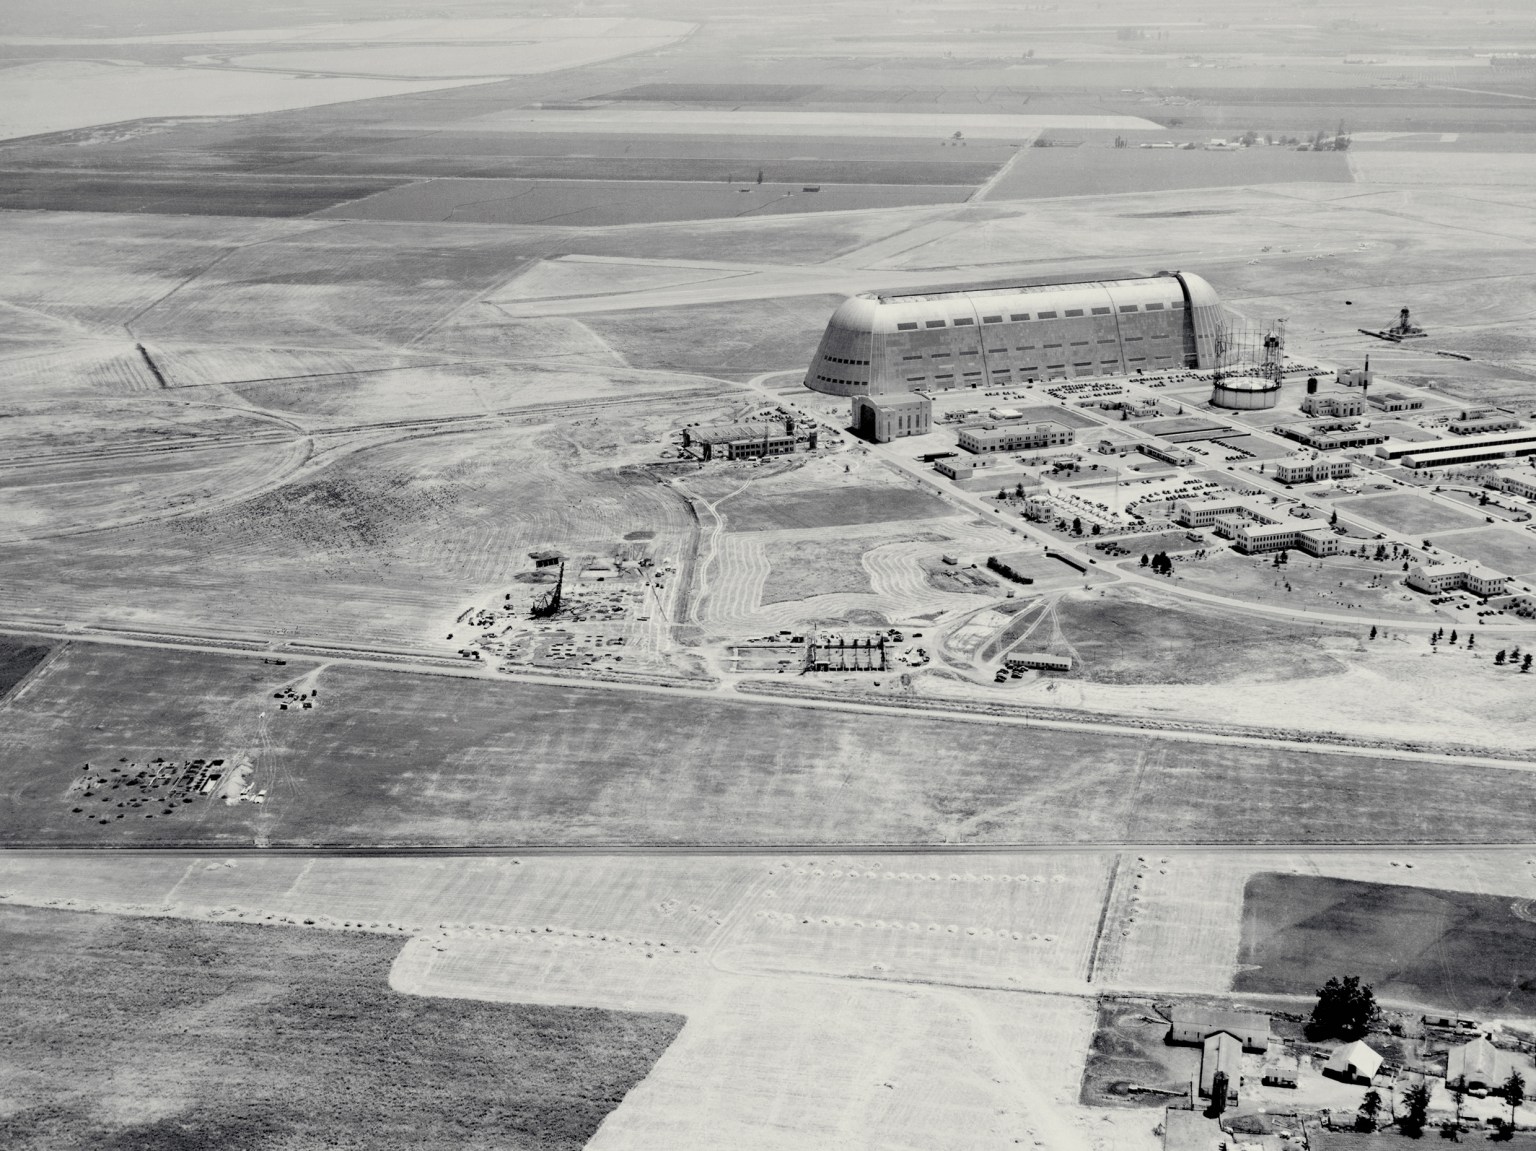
column 1353, row 1063
column 1222, row 1055
column 1192, row 1025
column 1479, row 1065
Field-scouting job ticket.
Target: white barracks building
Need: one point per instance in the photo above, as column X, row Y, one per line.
column 895, row 342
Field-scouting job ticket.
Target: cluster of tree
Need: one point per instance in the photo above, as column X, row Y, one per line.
column 1512, row 658
column 1344, row 1010
column 1160, row 563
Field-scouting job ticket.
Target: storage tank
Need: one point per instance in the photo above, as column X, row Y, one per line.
column 1245, row 393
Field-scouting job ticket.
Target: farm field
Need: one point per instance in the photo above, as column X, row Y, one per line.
column 602, row 203
column 56, row 96
column 137, row 1032
column 526, row 763
column 212, row 195
column 1096, row 170
column 1456, row 950
column 17, row 659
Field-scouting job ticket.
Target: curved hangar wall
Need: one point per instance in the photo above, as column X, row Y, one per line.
column 889, row 342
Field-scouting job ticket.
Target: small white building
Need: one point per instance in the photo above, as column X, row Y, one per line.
column 1353, row 1063
column 1329, row 404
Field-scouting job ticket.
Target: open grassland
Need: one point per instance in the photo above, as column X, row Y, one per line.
column 731, row 339
column 1409, row 512
column 130, row 1032
column 1457, row 950
column 389, row 757
column 770, row 508
column 376, row 540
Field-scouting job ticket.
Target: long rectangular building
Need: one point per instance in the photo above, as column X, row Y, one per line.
column 1015, row 437
column 974, row 337
column 1462, row 449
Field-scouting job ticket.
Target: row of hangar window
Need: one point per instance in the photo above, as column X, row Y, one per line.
column 1025, row 348
column 1105, row 366
column 1016, row 317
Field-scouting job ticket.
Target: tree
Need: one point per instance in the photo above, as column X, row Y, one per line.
column 1458, row 1089
column 1344, row 1009
column 1145, row 561
column 1373, row 631
column 1416, row 1099
column 1453, row 635
column 1525, row 664
column 1002, row 493
column 1471, row 640
column 1370, row 1108
column 1333, row 520
column 1514, row 1094
column 1499, row 659
column 1077, row 526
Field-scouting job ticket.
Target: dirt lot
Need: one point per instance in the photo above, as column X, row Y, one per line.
column 1454, row 950
column 1128, row 1051
column 130, row 1032
column 392, row 757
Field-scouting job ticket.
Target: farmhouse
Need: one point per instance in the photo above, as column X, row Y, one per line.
column 1353, row 1063
column 969, row 337
column 1193, row 1025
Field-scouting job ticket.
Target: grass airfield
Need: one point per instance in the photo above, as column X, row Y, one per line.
column 292, row 394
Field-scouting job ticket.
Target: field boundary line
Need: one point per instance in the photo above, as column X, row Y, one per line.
column 1098, row 932
column 981, row 193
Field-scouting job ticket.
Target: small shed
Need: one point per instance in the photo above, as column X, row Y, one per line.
column 1353, row 1063
column 1282, row 1072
